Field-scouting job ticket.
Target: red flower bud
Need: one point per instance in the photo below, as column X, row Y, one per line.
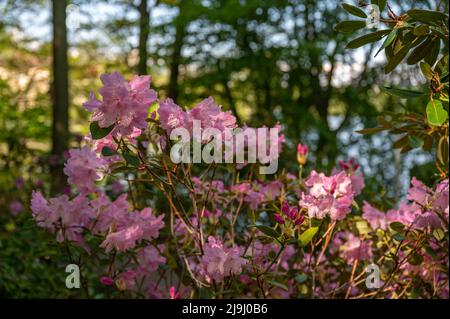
column 302, row 154
column 278, row 219
column 299, row 220
column 285, row 208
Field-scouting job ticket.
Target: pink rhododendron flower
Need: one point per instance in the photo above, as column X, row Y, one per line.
column 83, row 168
column 125, row 104
column 376, row 218
column 219, row 261
column 149, row 259
column 423, row 210
column 60, row 213
column 172, row 116
column 331, row 196
column 139, row 226
column 127, row 280
column 353, row 248
column 419, row 193
column 351, row 168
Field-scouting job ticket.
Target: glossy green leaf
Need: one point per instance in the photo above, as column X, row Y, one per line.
column 426, row 15
column 421, row 29
column 308, row 235
column 436, row 114
column 402, row 93
column 397, row 227
column 269, row 231
column 396, row 59
column 426, row 70
column 390, row 38
column 349, row 26
column 367, row 38
column 131, row 159
column 106, row 151
column 433, row 54
column 98, row 132
column 415, row 141
column 370, row 130
column 442, row 65
column 354, row 10
column 419, row 52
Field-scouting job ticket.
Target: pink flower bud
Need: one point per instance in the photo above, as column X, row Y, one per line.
column 344, row 165
column 173, row 293
column 107, row 281
column 285, row 208
column 278, row 219
column 302, row 154
column 293, row 214
column 299, row 220
column 302, row 149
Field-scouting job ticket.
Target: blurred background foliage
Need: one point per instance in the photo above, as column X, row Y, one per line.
column 267, row 61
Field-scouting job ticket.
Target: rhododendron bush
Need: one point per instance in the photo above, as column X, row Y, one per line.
column 226, row 230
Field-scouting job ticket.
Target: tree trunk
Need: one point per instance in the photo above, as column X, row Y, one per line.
column 144, row 32
column 60, row 95
column 173, row 91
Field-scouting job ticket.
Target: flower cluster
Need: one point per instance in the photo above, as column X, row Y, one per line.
column 332, row 196
column 427, row 208
column 217, row 235
column 124, row 105
column 83, row 168
column 123, row 230
column 207, row 112
column 219, row 261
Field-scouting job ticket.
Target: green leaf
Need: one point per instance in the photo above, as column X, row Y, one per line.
column 397, row 227
column 436, row 114
column 269, row 231
column 367, row 38
column 278, row 284
column 419, row 52
column 442, row 65
column 301, row 278
column 402, row 93
column 349, row 26
column 131, row 159
column 415, row 141
column 415, row 259
column 432, row 55
column 307, row 236
column 421, row 29
column 381, row 4
column 390, row 38
column 370, row 130
column 426, row 15
column 106, row 151
column 426, row 70
column 354, row 10
column 98, row 132
column 396, row 59
column 431, row 252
